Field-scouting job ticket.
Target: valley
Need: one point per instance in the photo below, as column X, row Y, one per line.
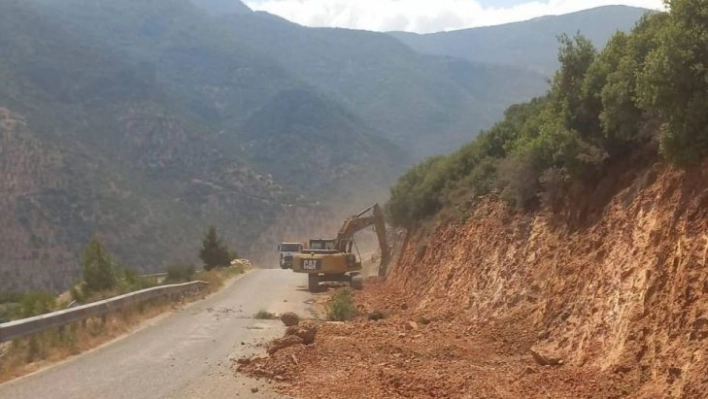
column 542, row 186
column 149, row 122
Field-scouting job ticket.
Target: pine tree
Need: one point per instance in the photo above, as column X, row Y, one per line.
column 98, row 267
column 213, row 253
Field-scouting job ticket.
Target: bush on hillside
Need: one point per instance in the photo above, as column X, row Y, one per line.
column 35, row 303
column 98, row 268
column 517, row 179
column 10, row 297
column 597, row 111
column 103, row 276
column 341, row 307
column 176, row 273
column 77, row 293
column 674, row 81
column 130, row 281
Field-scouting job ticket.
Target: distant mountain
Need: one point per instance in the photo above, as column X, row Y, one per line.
column 222, row 7
column 532, row 44
column 130, row 121
column 427, row 105
column 314, row 145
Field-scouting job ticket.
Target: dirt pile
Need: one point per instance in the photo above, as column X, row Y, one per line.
column 305, row 331
column 407, row 355
column 281, row 366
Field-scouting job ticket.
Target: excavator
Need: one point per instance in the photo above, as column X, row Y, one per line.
column 333, row 260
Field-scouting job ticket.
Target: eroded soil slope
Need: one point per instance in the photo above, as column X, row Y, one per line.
column 612, row 292
column 626, row 292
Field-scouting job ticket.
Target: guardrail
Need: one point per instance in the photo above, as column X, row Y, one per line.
column 33, row 325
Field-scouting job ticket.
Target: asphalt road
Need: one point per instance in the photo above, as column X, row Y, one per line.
column 183, row 355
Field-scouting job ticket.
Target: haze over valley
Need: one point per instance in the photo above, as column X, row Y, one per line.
column 143, row 123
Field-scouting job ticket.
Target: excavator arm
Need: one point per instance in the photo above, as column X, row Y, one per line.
column 359, row 222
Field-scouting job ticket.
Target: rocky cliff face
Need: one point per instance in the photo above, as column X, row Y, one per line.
column 616, row 281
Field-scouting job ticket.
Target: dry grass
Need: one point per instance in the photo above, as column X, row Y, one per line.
column 26, row 355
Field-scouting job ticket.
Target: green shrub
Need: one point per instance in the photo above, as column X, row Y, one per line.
column 518, row 180
column 77, row 293
column 674, row 81
column 7, row 311
column 180, row 272
column 341, row 306
column 577, row 109
column 10, row 297
column 130, row 281
column 35, row 303
column 98, row 267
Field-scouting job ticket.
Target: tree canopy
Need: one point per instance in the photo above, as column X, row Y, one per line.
column 600, row 107
column 214, row 253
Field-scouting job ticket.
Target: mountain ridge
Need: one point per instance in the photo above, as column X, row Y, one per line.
column 408, row 96
column 531, row 43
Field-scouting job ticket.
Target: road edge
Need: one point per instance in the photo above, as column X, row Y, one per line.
column 139, row 327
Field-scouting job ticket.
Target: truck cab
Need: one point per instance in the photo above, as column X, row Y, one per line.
column 287, row 250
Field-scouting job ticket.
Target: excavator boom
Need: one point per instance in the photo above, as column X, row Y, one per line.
column 359, row 222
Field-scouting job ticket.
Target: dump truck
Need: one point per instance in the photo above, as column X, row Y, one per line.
column 333, row 260
column 287, row 251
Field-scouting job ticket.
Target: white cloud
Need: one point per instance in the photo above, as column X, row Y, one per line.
column 422, row 15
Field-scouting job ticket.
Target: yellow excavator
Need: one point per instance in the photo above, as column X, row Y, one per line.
column 333, row 260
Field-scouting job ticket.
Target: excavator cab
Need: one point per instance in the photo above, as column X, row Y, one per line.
column 322, row 245
column 333, row 260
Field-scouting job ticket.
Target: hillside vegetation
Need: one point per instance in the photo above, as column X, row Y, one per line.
column 646, row 90
column 126, row 121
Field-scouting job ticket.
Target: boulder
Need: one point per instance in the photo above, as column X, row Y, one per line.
column 290, row 319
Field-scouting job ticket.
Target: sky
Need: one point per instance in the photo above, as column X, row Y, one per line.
column 424, row 16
